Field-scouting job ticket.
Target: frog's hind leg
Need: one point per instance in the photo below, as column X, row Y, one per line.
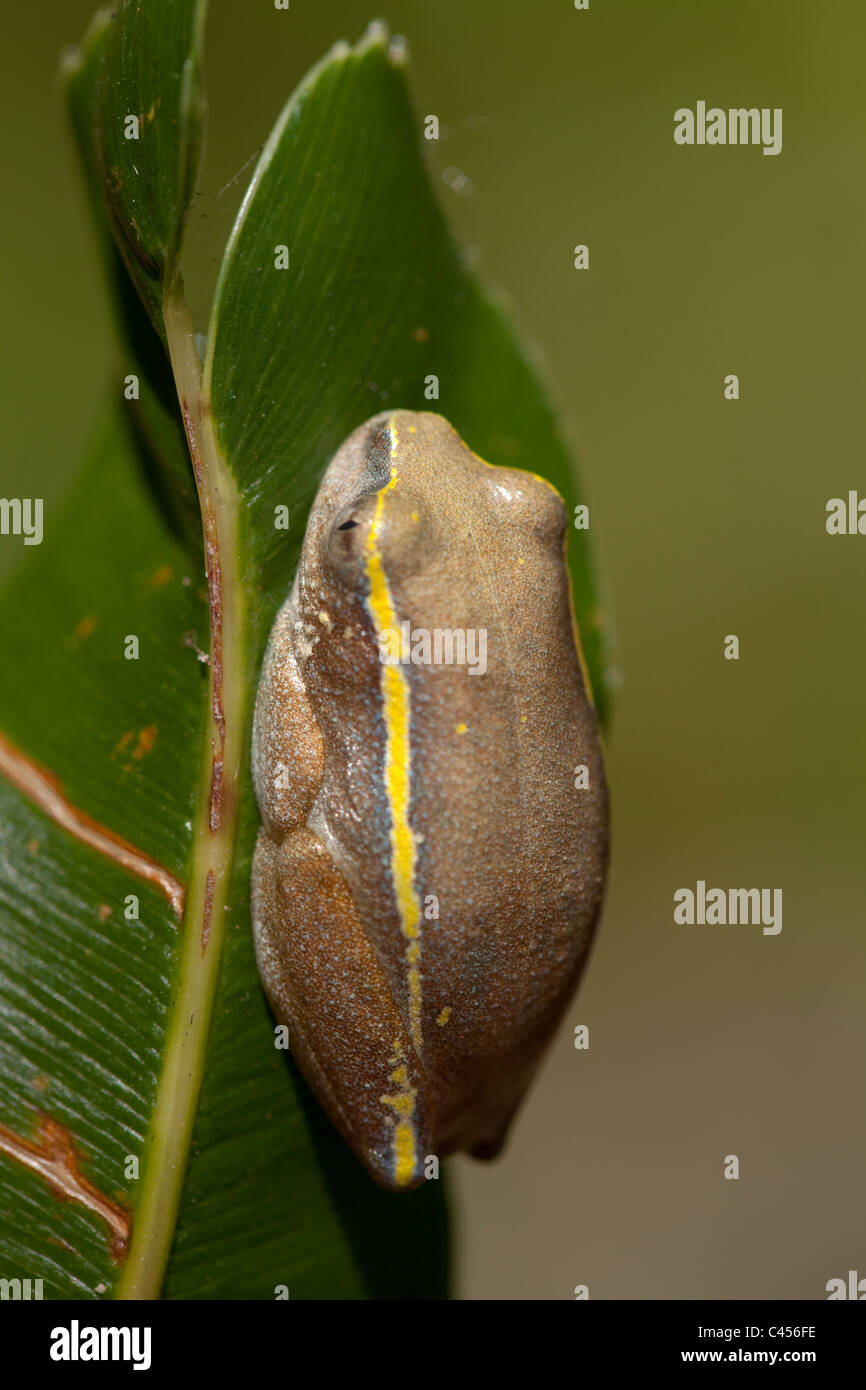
column 325, row 982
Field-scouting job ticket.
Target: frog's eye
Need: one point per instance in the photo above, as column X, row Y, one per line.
column 346, row 543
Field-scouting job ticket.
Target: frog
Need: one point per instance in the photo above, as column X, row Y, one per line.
column 431, row 863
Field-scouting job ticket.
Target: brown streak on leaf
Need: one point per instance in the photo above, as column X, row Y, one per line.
column 215, row 604
column 215, row 600
column 55, row 1159
column 192, row 439
column 208, row 909
column 216, row 794
column 45, row 792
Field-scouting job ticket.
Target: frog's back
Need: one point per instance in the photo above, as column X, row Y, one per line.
column 462, row 796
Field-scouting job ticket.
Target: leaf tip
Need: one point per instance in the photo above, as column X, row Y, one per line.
column 75, row 55
column 338, row 52
column 71, row 61
column 398, row 51
column 376, row 35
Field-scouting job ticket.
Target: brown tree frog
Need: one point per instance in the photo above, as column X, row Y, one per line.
column 430, row 869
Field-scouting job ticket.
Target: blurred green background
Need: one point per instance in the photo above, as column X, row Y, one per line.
column 709, row 517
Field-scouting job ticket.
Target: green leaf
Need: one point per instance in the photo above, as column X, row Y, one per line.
column 127, row 773
column 154, row 411
column 375, row 301
column 83, row 990
column 148, row 134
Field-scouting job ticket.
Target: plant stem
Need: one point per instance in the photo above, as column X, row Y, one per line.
column 190, row 1009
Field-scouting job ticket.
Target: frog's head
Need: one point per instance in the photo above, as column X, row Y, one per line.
column 407, row 501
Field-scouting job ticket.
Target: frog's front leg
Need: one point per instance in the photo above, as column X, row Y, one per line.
column 325, row 982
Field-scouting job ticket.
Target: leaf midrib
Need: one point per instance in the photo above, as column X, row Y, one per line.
column 169, row 1136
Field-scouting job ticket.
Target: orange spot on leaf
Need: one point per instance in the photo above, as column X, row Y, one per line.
column 160, row 577
column 122, row 743
column 146, row 740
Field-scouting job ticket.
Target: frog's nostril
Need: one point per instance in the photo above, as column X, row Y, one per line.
column 347, row 525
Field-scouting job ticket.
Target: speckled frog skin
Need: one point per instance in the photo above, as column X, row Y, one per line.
column 427, row 877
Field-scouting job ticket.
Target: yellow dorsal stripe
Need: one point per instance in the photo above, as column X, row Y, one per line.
column 403, row 1142
column 396, row 711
